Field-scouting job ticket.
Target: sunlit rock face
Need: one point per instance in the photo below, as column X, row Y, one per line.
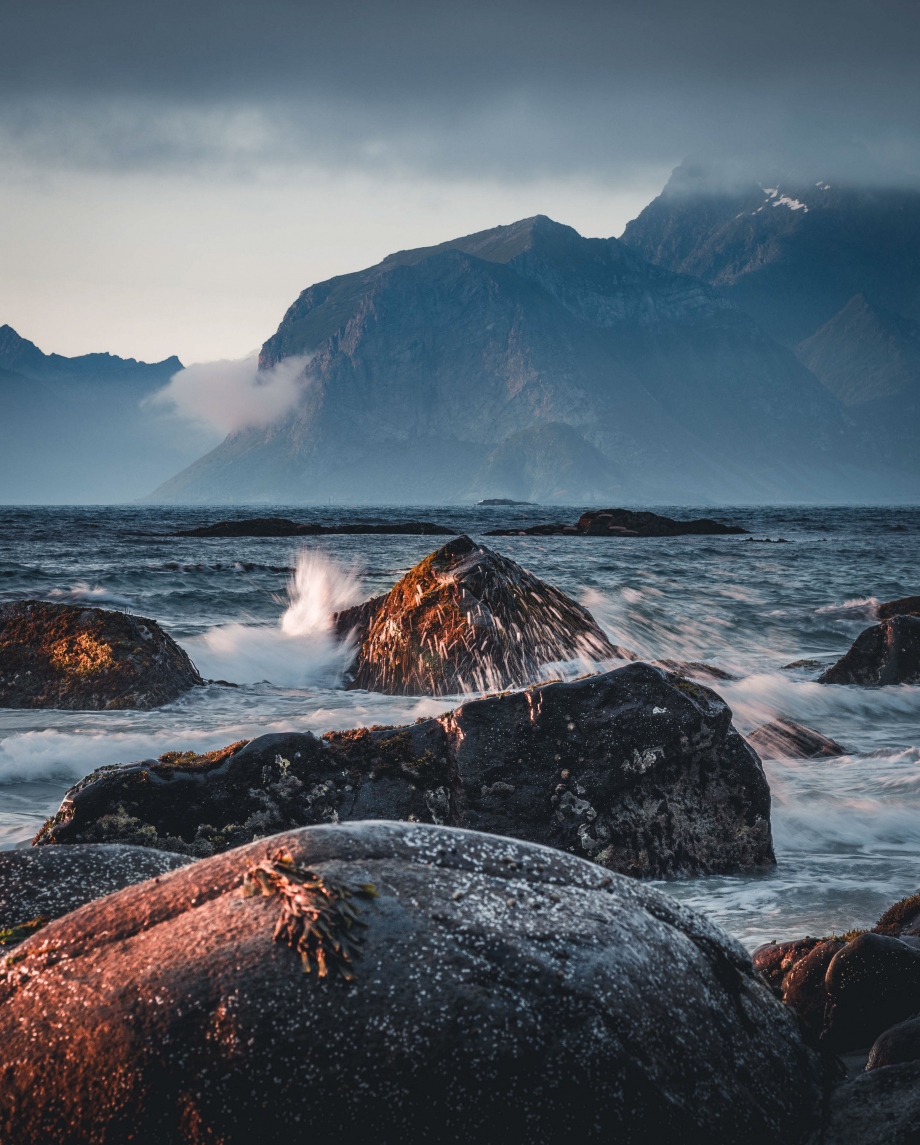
column 886, row 653
column 65, row 656
column 466, row 619
column 476, row 990
column 637, row 769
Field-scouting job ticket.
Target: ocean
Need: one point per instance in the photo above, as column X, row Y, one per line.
column 253, row 610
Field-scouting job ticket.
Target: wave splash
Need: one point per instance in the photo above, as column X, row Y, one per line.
column 301, row 650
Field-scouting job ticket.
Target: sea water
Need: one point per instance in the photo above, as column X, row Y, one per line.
column 254, row 611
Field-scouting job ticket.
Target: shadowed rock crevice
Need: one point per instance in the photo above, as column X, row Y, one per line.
column 639, row 770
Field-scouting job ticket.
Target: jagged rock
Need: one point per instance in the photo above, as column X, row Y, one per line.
column 879, row 1107
column 623, row 523
column 490, row 991
column 51, row 881
column 785, row 739
column 283, row 527
column 65, row 656
column 906, row 606
column 640, row 771
column 467, row 619
column 886, row 653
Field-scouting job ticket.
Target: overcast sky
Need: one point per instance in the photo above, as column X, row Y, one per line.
column 172, row 174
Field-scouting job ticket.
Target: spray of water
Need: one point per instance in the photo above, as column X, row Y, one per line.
column 301, row 650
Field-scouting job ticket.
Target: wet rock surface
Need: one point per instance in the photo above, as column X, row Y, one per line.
column 467, row 619
column 906, row 606
column 880, row 1107
column 637, row 770
column 886, row 653
column 66, row 656
column 624, row 523
column 785, row 739
column 283, row 527
column 900, row 1043
column 51, row 881
column 501, row 993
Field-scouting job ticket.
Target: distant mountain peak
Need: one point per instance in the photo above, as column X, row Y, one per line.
column 21, row 356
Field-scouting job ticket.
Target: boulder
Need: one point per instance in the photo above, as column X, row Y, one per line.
column 872, row 984
column 886, row 653
column 785, row 739
column 906, row 606
column 46, row 882
column 879, row 1107
column 638, row 770
column 624, row 523
column 804, row 986
column 460, row 988
column 900, row 1043
column 466, row 619
column 66, row 656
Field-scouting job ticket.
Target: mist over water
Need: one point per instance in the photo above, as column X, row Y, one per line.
column 255, row 611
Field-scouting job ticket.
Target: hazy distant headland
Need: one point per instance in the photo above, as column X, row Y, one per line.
column 753, row 344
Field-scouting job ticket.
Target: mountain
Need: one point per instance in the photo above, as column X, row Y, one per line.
column 73, row 429
column 791, row 251
column 530, row 362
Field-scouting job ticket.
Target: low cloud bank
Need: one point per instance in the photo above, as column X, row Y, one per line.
column 231, row 395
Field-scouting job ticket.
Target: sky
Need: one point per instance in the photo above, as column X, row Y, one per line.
column 173, row 174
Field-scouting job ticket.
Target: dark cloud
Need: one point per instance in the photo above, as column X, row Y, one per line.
column 503, row 88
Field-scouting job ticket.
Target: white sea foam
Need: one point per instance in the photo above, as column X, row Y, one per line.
column 301, row 650
column 83, row 593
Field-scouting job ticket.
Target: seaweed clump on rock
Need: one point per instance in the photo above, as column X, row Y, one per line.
column 639, row 770
column 66, row 656
column 467, row 619
column 501, row 994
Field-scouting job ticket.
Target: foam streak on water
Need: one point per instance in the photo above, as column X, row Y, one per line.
column 255, row 611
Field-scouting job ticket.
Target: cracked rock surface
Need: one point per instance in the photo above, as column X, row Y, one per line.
column 637, row 769
column 504, row 993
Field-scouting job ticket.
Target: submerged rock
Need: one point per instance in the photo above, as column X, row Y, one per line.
column 47, row 882
column 66, row 656
column 624, row 523
column 640, row 771
column 477, row 990
column 785, row 739
column 886, row 653
column 467, row 619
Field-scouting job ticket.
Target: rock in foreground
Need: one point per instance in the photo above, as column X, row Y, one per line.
column 624, row 523
column 50, row 881
column 886, row 653
column 466, row 619
column 906, row 606
column 65, row 656
column 488, row 992
column 640, row 771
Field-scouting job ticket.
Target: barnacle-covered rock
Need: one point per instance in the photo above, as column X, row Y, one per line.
column 66, row 656
column 886, row 653
column 46, row 882
column 499, row 994
column 467, row 619
column 637, row 769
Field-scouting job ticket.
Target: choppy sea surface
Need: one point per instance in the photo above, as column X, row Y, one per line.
column 253, row 611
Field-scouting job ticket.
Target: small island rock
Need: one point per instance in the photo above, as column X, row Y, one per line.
column 72, row 657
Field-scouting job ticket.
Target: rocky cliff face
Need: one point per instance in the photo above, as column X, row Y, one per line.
column 528, row 361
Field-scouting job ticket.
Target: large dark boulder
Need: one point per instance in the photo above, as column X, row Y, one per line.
column 462, row 988
column 886, row 653
column 906, row 606
column 466, row 619
column 900, row 1043
column 46, row 882
column 639, row 770
column 879, row 1107
column 872, row 984
column 66, row 656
